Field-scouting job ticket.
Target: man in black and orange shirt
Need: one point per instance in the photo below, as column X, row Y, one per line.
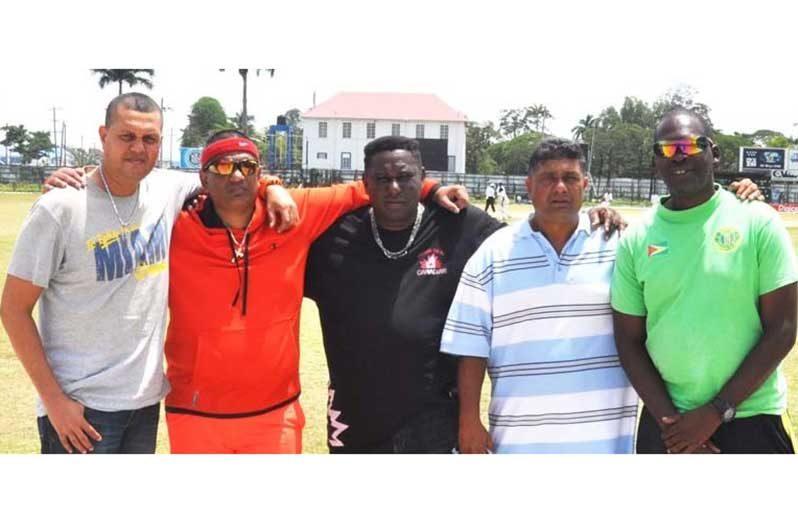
column 383, row 278
column 235, row 294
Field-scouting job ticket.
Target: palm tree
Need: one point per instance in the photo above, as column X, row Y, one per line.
column 537, row 116
column 131, row 77
column 584, row 124
column 236, row 121
column 543, row 113
column 244, row 118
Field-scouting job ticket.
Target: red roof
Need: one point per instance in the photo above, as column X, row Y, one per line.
column 386, row 106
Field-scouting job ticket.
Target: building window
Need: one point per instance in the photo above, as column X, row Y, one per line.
column 346, row 161
column 420, row 130
column 321, row 156
column 452, row 164
column 371, row 130
column 444, row 132
column 395, row 129
column 322, row 129
column 347, row 129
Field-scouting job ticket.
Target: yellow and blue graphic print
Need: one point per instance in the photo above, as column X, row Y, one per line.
column 727, row 239
column 119, row 252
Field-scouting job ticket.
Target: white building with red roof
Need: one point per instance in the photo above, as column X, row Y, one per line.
column 336, row 130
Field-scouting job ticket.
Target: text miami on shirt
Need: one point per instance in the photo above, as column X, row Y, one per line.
column 119, row 252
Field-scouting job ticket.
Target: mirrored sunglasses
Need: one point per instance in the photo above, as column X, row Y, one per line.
column 688, row 147
column 227, row 167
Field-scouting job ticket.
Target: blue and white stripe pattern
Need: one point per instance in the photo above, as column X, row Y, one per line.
column 544, row 323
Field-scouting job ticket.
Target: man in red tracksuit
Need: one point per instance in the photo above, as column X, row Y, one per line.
column 235, row 293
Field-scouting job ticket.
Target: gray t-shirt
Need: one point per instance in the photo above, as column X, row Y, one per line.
column 102, row 314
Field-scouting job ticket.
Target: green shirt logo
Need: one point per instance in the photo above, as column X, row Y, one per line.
column 727, row 239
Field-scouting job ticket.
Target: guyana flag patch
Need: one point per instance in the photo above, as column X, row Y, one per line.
column 655, row 249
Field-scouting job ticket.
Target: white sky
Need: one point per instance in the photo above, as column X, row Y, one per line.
column 575, row 57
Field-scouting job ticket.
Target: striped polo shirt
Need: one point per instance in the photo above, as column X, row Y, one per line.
column 544, row 323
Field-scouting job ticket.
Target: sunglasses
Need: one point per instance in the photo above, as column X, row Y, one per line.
column 227, row 167
column 692, row 146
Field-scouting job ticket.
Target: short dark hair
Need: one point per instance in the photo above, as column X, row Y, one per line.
column 225, row 133
column 556, row 149
column 391, row 143
column 679, row 109
column 134, row 101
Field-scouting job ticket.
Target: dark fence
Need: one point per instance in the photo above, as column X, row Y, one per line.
column 631, row 186
column 23, row 177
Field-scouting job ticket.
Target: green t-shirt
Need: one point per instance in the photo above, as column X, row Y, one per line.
column 696, row 275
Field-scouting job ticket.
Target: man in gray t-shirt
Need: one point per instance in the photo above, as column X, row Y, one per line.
column 97, row 261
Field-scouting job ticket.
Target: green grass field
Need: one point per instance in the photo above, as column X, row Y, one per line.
column 18, row 425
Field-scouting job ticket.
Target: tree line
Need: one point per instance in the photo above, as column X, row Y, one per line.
column 619, row 141
column 206, row 117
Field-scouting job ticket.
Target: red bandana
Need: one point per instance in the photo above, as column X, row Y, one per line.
column 234, row 144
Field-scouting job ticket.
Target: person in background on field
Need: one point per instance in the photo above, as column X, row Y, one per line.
column 504, row 201
column 490, row 197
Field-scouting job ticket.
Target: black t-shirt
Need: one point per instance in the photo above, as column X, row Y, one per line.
column 382, row 319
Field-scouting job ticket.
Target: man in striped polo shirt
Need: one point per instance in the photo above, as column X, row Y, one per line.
column 532, row 308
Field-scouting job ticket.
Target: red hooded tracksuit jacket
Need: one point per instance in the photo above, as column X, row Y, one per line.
column 222, row 362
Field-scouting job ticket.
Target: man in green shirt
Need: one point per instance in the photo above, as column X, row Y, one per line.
column 704, row 299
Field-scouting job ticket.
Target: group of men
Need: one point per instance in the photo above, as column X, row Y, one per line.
column 419, row 295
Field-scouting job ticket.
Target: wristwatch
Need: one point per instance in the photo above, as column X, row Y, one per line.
column 725, row 409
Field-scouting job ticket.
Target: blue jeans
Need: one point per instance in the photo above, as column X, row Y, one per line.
column 123, row 431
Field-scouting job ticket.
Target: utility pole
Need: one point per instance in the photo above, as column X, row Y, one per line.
column 160, row 152
column 55, row 136
column 63, row 144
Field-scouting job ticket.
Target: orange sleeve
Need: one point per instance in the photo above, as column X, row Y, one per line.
column 320, row 207
column 427, row 186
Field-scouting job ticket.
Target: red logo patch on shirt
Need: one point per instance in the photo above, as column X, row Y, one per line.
column 431, row 263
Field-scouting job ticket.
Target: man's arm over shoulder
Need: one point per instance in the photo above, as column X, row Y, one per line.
column 320, row 207
column 186, row 182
